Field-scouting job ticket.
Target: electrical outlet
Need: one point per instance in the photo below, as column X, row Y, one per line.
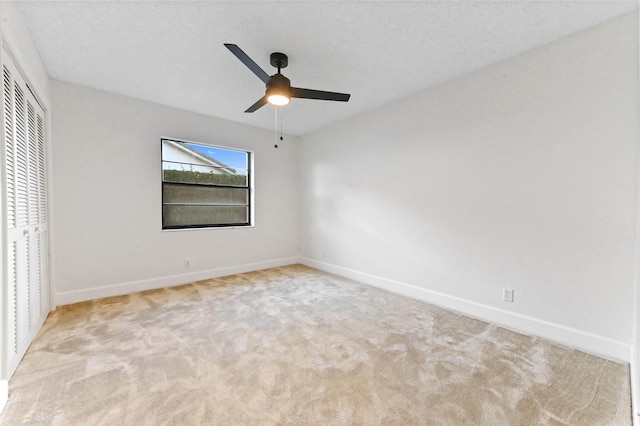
column 507, row 294
column 187, row 263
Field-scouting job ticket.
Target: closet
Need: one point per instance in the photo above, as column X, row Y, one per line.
column 26, row 285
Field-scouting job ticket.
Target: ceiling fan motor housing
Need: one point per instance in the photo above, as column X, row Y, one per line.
column 280, row 84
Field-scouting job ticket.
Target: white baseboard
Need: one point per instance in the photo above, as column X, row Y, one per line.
column 584, row 341
column 588, row 342
column 69, row 297
column 4, row 393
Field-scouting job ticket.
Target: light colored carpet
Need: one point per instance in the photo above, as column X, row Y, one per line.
column 293, row 345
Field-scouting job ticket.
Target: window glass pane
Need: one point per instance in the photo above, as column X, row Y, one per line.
column 193, row 163
column 203, row 175
column 196, row 194
column 181, row 215
column 204, row 185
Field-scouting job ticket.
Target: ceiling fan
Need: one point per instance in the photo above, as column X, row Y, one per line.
column 279, row 91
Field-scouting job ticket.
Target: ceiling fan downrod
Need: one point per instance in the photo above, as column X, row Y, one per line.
column 279, row 60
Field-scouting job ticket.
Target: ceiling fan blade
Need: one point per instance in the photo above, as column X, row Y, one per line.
column 297, row 92
column 261, row 102
column 245, row 59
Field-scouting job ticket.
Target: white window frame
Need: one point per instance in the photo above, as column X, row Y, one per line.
column 249, row 188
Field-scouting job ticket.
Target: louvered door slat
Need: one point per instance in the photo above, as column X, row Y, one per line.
column 26, row 295
column 21, row 166
column 44, row 273
column 9, row 147
column 32, row 159
column 42, row 197
column 12, row 342
column 22, row 291
column 35, row 271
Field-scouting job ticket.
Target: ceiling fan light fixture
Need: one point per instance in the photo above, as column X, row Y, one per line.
column 278, row 99
column 278, row 90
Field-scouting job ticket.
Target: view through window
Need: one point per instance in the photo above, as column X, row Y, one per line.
column 204, row 186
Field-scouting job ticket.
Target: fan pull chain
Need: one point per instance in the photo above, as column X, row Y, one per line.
column 275, row 127
column 277, row 110
column 281, row 114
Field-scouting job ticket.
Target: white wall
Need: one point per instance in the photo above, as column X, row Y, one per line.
column 521, row 175
column 635, row 361
column 107, row 182
column 15, row 37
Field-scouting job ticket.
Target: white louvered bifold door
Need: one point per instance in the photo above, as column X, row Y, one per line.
column 26, row 293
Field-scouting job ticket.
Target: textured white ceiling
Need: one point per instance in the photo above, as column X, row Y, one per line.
column 172, row 52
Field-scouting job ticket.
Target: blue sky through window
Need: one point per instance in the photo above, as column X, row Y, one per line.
column 235, row 159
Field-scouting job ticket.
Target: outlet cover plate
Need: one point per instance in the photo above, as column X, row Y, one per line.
column 507, row 294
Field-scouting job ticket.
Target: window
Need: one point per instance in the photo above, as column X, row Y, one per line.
column 204, row 186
